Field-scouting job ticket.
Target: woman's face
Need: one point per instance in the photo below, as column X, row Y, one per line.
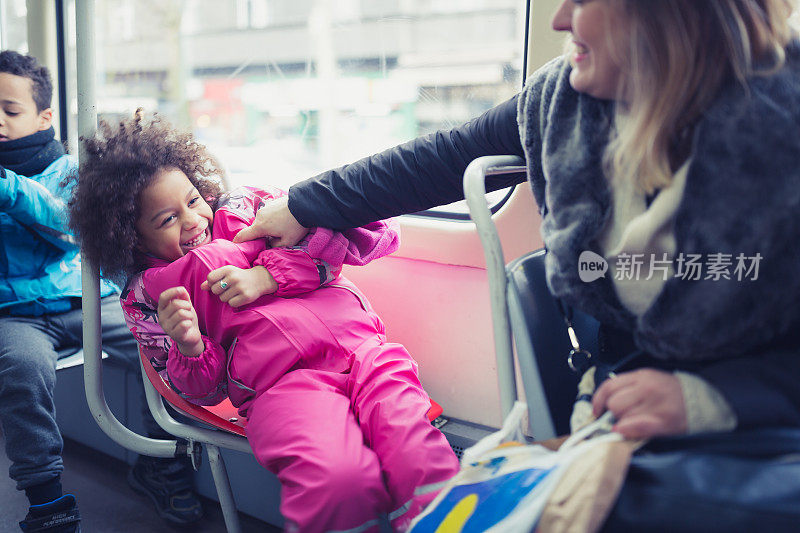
column 595, row 71
column 174, row 218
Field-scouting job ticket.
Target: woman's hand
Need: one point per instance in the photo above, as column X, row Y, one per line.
column 178, row 318
column 237, row 286
column 646, row 403
column 275, row 222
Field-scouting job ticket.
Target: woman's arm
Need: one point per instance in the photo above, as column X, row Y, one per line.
column 758, row 389
column 761, row 388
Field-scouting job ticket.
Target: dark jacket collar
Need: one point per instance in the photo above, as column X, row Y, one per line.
column 32, row 154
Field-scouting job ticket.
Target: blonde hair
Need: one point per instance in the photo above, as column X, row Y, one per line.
column 677, row 56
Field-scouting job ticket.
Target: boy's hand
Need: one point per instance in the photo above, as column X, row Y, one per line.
column 237, row 286
column 177, row 316
column 276, row 223
column 646, row 403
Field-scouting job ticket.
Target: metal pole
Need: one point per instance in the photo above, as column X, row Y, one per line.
column 223, row 485
column 475, row 194
column 92, row 366
column 42, row 33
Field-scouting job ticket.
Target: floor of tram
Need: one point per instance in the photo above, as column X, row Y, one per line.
column 106, row 502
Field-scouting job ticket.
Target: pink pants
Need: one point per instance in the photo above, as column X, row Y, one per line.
column 350, row 447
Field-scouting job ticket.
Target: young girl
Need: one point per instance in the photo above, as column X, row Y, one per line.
column 335, row 411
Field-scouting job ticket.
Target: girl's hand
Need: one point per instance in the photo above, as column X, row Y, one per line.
column 646, row 403
column 275, row 222
column 177, row 316
column 237, row 286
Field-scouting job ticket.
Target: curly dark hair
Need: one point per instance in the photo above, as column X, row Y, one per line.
column 28, row 67
column 116, row 165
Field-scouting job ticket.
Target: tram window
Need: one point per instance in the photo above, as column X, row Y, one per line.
column 13, row 35
column 281, row 90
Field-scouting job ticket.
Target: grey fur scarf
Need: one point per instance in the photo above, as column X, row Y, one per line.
column 742, row 195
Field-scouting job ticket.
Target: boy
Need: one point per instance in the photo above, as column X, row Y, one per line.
column 40, row 311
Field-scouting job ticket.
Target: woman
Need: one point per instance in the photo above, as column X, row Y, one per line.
column 667, row 131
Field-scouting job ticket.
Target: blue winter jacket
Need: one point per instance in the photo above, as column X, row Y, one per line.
column 40, row 266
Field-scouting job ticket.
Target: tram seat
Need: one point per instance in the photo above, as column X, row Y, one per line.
column 523, row 309
column 223, row 416
column 220, row 427
column 542, row 343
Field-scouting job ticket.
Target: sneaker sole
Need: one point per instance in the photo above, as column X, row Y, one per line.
column 139, row 488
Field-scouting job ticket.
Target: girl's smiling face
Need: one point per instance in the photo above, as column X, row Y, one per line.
column 595, row 26
column 174, row 218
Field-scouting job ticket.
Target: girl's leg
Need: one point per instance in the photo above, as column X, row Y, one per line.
column 391, row 408
column 302, row 429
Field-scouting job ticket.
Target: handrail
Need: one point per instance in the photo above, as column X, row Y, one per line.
column 90, row 280
column 475, row 194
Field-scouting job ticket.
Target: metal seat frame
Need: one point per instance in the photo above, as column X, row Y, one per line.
column 191, row 437
column 524, row 310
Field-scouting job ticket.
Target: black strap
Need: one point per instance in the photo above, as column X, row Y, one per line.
column 580, row 359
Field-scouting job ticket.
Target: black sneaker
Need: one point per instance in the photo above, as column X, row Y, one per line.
column 169, row 483
column 58, row 516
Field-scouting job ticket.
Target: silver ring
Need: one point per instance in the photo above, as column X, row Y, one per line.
column 223, row 284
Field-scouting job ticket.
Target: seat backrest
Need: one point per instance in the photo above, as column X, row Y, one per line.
column 542, row 344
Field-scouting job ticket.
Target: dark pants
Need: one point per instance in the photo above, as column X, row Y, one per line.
column 29, row 348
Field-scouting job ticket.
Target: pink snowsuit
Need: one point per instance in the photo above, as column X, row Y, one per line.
column 334, row 410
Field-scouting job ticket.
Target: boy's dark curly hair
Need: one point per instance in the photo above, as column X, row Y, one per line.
column 117, row 164
column 27, row 67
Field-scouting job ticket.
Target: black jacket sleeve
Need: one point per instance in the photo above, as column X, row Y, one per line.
column 762, row 388
column 411, row 177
